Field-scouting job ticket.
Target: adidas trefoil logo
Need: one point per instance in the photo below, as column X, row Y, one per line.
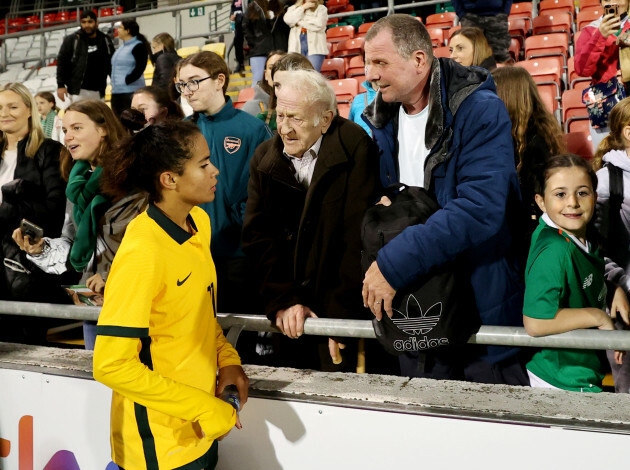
column 587, row 281
column 415, row 321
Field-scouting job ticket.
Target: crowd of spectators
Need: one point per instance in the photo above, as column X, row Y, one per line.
column 285, row 185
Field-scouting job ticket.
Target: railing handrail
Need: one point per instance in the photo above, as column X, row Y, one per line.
column 487, row 335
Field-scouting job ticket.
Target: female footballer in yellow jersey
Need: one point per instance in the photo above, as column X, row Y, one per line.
column 158, row 344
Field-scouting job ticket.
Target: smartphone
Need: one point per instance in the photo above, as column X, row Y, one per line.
column 34, row 232
column 611, row 9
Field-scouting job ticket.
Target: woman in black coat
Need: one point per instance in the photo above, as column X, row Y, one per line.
column 164, row 59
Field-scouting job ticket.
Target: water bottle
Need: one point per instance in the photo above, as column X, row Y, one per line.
column 230, row 395
column 232, row 25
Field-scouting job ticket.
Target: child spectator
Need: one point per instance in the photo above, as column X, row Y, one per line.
column 95, row 223
column 564, row 277
column 48, row 112
column 612, row 217
column 159, row 345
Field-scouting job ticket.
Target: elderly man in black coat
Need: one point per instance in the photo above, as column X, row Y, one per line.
column 308, row 191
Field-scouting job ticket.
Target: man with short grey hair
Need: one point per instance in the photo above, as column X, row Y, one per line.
column 309, row 188
column 441, row 126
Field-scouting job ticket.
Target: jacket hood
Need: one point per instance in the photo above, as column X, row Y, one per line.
column 618, row 158
column 460, row 81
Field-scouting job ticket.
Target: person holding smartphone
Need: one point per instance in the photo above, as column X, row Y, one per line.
column 597, row 50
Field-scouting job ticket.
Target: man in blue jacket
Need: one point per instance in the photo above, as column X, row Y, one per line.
column 441, row 126
column 232, row 137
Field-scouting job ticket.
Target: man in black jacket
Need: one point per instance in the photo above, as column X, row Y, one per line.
column 84, row 61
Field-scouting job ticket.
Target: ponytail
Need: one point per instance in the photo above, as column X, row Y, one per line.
column 619, row 118
column 138, row 161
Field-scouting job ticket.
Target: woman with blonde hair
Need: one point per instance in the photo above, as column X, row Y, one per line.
column 307, row 20
column 31, row 188
column 535, row 131
column 469, row 46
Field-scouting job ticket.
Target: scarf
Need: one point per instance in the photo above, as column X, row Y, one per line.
column 84, row 192
column 48, row 123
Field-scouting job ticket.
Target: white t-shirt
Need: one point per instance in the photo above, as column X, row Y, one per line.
column 7, row 168
column 411, row 148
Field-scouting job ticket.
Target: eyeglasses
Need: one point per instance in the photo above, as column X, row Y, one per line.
column 192, row 85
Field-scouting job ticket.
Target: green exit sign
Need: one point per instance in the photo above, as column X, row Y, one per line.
column 197, row 11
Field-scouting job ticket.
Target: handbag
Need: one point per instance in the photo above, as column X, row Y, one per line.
column 438, row 309
column 600, row 99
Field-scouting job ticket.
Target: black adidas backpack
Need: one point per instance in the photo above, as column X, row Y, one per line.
column 438, row 309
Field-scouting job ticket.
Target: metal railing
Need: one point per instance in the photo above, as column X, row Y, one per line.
column 235, row 323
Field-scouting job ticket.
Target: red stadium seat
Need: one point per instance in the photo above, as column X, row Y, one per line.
column 556, row 23
column 577, row 124
column 443, row 51
column 572, row 106
column 515, row 49
column 551, row 7
column 544, row 69
column 336, row 6
column 522, row 10
column 548, row 95
column 441, row 20
column 356, row 67
column 437, row 36
column 363, row 29
column 345, row 89
column 349, row 48
column 547, row 45
column 586, row 17
column 334, row 69
column 589, row 3
column 580, row 143
column 339, row 33
column 575, row 81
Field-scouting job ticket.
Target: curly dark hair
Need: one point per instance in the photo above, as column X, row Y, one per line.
column 138, row 161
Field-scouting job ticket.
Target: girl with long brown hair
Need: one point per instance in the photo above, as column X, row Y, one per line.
column 95, row 223
column 535, row 131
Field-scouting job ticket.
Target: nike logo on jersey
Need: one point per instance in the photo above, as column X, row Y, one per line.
column 179, row 283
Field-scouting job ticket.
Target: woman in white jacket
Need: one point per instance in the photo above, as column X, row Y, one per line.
column 307, row 20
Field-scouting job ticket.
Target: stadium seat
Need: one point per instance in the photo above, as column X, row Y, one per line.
column 443, row 51
column 556, row 23
column 437, row 36
column 345, row 89
column 515, row 49
column 186, row 51
column 544, row 69
column 572, row 105
column 592, row 7
column 356, row 67
column 339, row 33
column 334, row 69
column 363, row 29
column 589, row 3
column 586, row 17
column 49, row 84
column 441, row 20
column 216, row 47
column 551, row 7
column 548, row 96
column 348, row 48
column 577, row 124
column 575, row 81
column 33, row 84
column 337, row 6
column 148, row 71
column 546, row 45
column 522, row 10
column 580, row 143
